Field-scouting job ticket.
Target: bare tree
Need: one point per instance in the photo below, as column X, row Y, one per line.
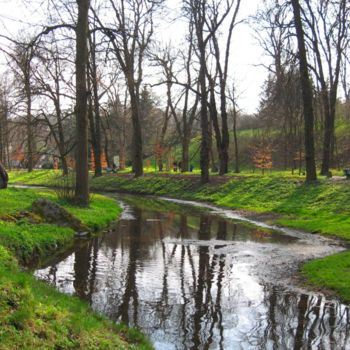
column 222, row 65
column 130, row 35
column 52, row 79
column 20, row 60
column 307, row 96
column 82, row 166
column 327, row 34
column 184, row 107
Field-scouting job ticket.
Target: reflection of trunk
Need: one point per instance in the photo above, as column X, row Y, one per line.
column 203, row 266
column 300, row 330
column 130, row 281
column 92, row 280
column 272, row 314
column 222, row 230
column 81, row 271
column 316, row 311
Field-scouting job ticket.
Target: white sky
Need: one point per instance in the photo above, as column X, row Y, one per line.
column 246, row 55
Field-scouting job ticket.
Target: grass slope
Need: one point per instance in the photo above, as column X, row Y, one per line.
column 34, row 315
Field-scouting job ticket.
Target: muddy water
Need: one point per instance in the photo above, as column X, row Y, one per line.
column 199, row 279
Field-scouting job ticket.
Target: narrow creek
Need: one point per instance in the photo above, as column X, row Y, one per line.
column 198, row 278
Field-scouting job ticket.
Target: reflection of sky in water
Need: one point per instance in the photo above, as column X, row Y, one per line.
column 197, row 281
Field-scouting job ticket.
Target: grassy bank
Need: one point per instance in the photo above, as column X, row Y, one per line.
column 32, row 314
column 319, row 208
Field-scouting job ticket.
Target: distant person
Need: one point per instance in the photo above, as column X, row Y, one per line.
column 175, row 167
column 4, row 178
column 191, row 168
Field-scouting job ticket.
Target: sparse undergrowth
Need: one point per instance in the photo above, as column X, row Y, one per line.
column 321, row 208
column 32, row 314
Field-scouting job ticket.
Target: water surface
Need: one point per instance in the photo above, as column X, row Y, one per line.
column 196, row 279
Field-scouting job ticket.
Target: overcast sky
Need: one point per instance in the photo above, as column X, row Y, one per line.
column 246, row 55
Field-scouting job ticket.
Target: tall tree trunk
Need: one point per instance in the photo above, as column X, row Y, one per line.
column 205, row 141
column 327, row 132
column 215, row 123
column 235, row 140
column 60, row 131
column 307, row 97
column 225, row 140
column 162, row 137
column 185, row 159
column 82, row 166
column 137, row 147
column 96, row 104
column 29, row 125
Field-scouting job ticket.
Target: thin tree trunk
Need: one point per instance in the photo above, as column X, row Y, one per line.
column 185, row 159
column 235, row 140
column 29, row 125
column 205, row 141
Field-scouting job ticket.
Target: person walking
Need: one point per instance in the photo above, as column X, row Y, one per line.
column 4, row 178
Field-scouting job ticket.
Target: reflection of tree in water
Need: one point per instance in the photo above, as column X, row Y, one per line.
column 130, row 291
column 82, row 265
column 302, row 321
column 195, row 293
column 207, row 310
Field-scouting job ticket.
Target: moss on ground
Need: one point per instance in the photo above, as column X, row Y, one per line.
column 32, row 314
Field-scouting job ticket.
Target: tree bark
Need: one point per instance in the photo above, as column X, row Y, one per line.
column 235, row 140
column 137, row 146
column 307, row 97
column 29, row 121
column 82, row 167
column 96, row 118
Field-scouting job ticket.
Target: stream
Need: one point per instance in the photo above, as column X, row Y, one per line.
column 198, row 277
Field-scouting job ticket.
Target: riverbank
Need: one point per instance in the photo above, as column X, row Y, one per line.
column 32, row 314
column 284, row 200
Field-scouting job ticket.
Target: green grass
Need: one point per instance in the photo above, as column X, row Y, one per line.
column 35, row 316
column 26, row 239
column 321, row 207
column 332, row 272
column 32, row 314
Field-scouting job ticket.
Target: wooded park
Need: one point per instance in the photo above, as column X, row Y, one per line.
column 204, row 142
